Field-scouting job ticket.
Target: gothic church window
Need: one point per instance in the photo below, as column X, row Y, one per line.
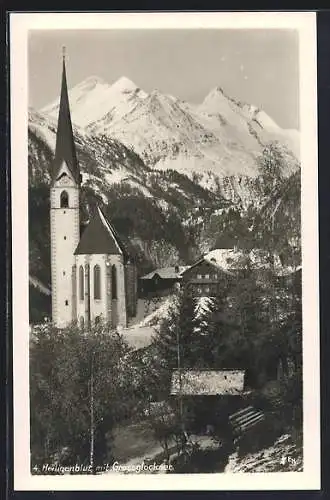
column 64, row 201
column 113, row 282
column 97, row 282
column 81, row 283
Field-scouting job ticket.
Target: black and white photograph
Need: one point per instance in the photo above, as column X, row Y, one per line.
column 164, row 190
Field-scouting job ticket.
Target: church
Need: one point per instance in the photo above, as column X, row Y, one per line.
column 92, row 274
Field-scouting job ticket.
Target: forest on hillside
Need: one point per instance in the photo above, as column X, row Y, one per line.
column 180, row 231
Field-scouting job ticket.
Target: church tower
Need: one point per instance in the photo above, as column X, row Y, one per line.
column 64, row 215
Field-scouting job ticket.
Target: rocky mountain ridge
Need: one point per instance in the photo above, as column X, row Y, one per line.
column 168, row 173
column 219, row 137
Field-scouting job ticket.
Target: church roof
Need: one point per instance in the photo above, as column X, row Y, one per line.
column 65, row 150
column 100, row 237
column 207, row 382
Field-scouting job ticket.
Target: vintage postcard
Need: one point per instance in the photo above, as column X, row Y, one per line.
column 165, row 243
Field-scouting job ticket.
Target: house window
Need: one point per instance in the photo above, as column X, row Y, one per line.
column 81, row 283
column 64, row 200
column 97, row 320
column 199, row 276
column 82, row 322
column 65, row 237
column 113, row 282
column 215, row 276
column 66, row 302
column 97, row 282
column 207, row 276
column 207, row 289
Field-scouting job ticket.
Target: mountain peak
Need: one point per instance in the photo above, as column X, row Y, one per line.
column 90, row 82
column 217, row 92
column 218, row 89
column 124, row 84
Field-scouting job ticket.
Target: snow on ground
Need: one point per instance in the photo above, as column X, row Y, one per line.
column 44, row 133
column 160, row 313
column 140, row 334
column 40, row 286
column 203, row 306
column 145, row 191
column 137, row 336
column 162, row 204
column 282, row 456
column 116, row 176
column 86, row 177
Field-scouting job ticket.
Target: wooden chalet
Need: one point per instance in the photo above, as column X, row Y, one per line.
column 213, row 402
column 160, row 282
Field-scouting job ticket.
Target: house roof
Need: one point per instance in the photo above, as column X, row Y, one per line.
column 165, row 273
column 65, row 150
column 212, row 261
column 100, row 237
column 137, row 337
column 230, row 260
column 208, row 382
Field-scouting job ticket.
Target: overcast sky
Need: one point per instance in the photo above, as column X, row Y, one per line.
column 259, row 67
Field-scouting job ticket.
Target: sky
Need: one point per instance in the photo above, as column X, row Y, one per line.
column 257, row 66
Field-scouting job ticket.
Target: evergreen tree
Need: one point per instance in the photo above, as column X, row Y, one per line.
column 178, row 336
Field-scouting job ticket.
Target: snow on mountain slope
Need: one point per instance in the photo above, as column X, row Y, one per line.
column 220, row 138
column 103, row 161
column 151, row 207
column 168, row 135
column 94, row 99
column 251, row 123
column 107, row 164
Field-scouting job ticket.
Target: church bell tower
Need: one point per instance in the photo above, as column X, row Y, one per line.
column 64, row 214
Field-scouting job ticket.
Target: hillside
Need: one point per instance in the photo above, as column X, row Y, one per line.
column 219, row 137
column 160, row 212
column 175, row 179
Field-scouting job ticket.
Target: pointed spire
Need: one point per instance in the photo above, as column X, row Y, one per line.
column 65, row 148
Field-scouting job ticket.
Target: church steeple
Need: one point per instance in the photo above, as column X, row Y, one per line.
column 64, row 215
column 65, row 150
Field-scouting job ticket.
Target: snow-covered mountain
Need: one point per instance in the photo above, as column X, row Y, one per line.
column 220, row 136
column 103, row 161
column 166, row 214
column 162, row 207
column 106, row 163
column 93, row 99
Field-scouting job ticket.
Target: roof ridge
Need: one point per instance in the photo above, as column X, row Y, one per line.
column 100, row 237
column 110, row 228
